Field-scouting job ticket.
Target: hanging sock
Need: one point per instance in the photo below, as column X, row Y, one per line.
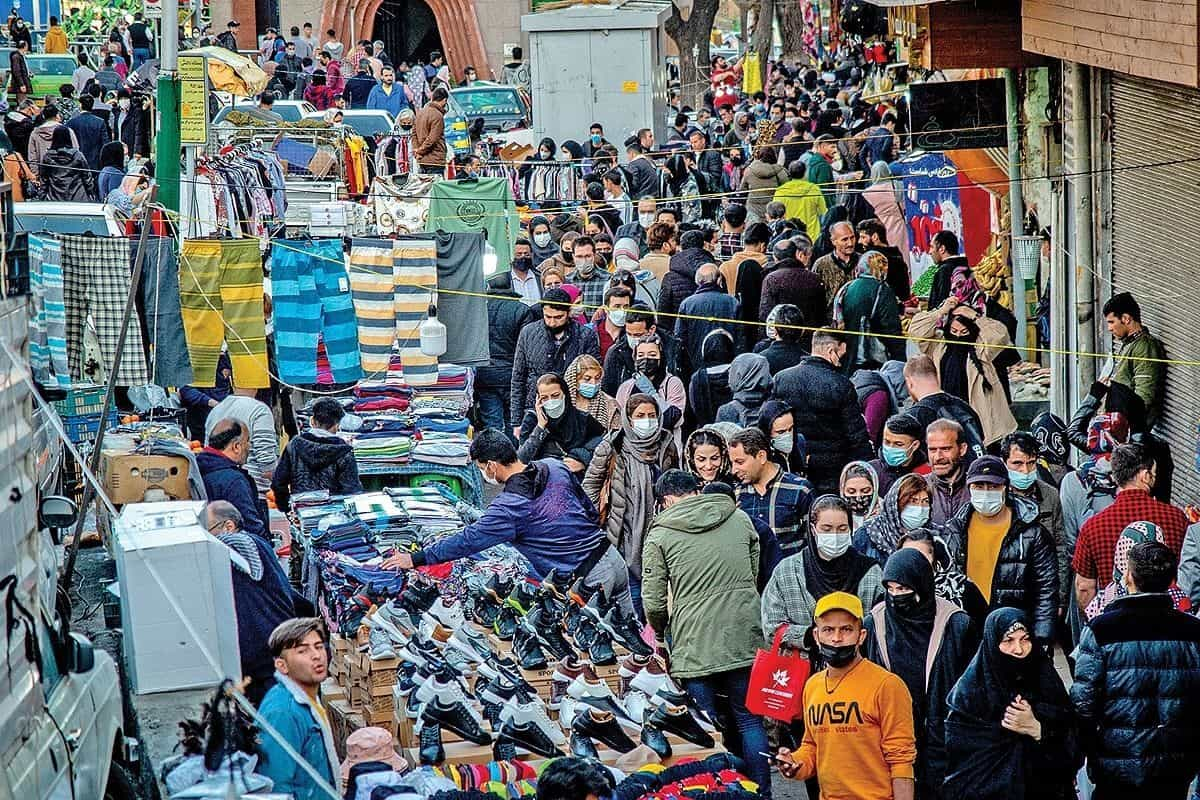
column 221, row 290
column 307, row 275
column 96, row 282
column 48, row 325
column 168, row 353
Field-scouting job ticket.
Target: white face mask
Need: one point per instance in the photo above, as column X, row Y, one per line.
column 617, row 317
column 123, row 103
column 554, row 408
column 783, row 442
column 645, row 426
column 646, row 220
column 488, row 479
column 987, row 501
column 832, row 545
column 541, row 239
column 913, row 517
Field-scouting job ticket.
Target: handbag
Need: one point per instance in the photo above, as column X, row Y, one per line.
column 776, row 687
column 871, row 349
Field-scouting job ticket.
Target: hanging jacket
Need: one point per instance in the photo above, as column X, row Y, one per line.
column 314, row 461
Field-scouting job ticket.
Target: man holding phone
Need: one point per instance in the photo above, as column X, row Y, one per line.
column 858, row 723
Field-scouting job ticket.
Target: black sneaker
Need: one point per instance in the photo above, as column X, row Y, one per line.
column 601, row 651
column 457, row 718
column 668, row 697
column 582, row 629
column 526, row 650
column 528, row 737
column 417, row 598
column 493, row 667
column 506, row 622
column 521, row 598
column 679, row 721
column 654, row 738
column 603, row 727
column 548, row 627
column 582, row 746
column 430, row 751
column 625, row 630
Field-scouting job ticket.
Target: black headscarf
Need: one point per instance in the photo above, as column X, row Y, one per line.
column 953, row 367
column 842, row 574
column 908, row 633
column 540, row 253
column 984, row 759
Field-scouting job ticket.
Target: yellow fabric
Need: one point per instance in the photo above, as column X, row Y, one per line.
column 55, row 41
column 804, row 201
column 751, row 74
column 317, row 706
column 984, row 537
column 858, row 733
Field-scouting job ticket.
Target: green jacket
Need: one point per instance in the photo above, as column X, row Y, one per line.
column 1145, row 378
column 820, row 172
column 702, row 552
column 857, row 300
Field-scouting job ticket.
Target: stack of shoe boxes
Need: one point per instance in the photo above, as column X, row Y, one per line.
column 371, row 685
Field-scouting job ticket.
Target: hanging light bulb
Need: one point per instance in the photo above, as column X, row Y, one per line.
column 433, row 334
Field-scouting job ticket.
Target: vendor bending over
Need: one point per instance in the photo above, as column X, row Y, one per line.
column 542, row 512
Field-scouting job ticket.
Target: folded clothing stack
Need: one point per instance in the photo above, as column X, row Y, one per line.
column 440, row 420
column 385, row 449
column 453, row 449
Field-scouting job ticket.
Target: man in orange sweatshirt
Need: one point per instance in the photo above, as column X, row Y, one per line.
column 858, row 724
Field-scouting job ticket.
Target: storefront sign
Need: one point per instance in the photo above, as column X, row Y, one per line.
column 193, row 106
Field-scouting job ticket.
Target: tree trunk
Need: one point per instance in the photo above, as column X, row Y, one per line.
column 694, row 32
column 791, row 30
column 764, row 34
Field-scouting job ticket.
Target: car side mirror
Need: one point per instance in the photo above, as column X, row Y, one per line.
column 81, row 656
column 56, row 512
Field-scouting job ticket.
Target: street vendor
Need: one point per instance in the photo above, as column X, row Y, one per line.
column 542, row 512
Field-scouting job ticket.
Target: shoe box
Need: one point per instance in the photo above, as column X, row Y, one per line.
column 370, row 689
column 130, row 477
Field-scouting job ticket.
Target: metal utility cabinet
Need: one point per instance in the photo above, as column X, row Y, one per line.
column 602, row 64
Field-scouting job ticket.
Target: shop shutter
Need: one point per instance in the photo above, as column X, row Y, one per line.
column 1156, row 242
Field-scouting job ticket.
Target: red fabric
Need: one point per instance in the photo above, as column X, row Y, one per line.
column 439, row 572
column 1097, row 543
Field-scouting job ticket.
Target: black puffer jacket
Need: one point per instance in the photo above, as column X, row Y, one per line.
column 1137, row 691
column 1026, row 569
column 680, row 281
column 65, row 177
column 826, row 411
column 311, row 462
column 507, row 315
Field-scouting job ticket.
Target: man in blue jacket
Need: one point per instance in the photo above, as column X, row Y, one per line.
column 542, row 512
column 359, row 87
column 220, row 464
column 388, row 95
column 293, row 711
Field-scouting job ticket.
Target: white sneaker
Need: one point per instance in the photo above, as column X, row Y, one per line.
column 532, row 711
column 598, row 695
column 448, row 691
column 472, row 644
column 379, row 645
column 399, row 629
column 566, row 711
column 450, row 615
column 636, row 704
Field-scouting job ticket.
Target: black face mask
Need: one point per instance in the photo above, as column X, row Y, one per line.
column 555, row 331
column 522, row 264
column 859, row 504
column 838, row 656
column 647, row 366
column 904, row 604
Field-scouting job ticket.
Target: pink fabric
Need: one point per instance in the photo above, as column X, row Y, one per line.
column 876, row 411
column 883, row 200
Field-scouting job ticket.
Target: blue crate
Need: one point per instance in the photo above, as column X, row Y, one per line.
column 82, row 428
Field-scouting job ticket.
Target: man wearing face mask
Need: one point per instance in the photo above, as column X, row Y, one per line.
column 595, row 140
column 555, row 428
column 1020, row 453
column 636, row 229
column 618, row 361
column 858, row 733
column 1007, row 556
column 588, row 275
column 541, row 510
column 521, row 279
column 826, row 410
column 901, row 451
column 548, row 347
column 610, row 325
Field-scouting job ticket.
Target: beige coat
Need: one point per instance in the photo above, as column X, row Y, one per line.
column 992, row 407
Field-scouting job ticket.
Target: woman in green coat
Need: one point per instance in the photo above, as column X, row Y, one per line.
column 869, row 305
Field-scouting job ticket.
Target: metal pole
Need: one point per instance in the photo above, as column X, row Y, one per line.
column 1016, row 202
column 94, row 459
column 1080, row 167
column 166, row 158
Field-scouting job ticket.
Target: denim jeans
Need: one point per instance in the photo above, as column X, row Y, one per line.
column 140, row 56
column 734, row 685
column 492, row 405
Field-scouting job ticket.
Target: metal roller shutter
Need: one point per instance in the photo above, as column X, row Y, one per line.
column 1156, row 242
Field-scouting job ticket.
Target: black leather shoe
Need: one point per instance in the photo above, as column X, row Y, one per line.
column 548, row 627
column 654, row 738
column 624, row 629
column 604, row 728
column 667, row 697
column 457, row 718
column 582, row 746
column 679, row 721
column 529, row 737
column 526, row 650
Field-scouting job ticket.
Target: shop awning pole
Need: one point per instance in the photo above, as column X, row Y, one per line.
column 167, row 150
column 1016, row 203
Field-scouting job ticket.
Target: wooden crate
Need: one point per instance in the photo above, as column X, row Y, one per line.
column 332, row 690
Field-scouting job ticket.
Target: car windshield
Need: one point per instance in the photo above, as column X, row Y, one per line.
column 368, row 124
column 50, row 65
column 62, row 223
column 489, row 102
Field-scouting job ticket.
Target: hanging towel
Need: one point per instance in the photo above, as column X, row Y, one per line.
column 48, row 326
column 221, row 292
column 96, row 284
column 161, row 313
column 307, row 276
column 460, row 269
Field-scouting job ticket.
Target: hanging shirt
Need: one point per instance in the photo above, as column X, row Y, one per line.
column 484, row 204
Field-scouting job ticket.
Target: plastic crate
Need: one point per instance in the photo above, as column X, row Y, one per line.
column 82, row 428
column 82, row 400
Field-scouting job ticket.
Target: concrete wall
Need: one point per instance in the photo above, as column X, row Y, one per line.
column 298, row 12
column 500, row 23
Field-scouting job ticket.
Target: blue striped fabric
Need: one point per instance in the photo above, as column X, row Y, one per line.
column 48, row 328
column 416, row 280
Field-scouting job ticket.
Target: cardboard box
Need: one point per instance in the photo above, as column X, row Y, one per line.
column 128, row 476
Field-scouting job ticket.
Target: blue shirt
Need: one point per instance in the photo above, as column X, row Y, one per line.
column 392, row 103
column 783, row 506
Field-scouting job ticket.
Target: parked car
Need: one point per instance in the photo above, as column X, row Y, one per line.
column 366, row 122
column 99, row 219
column 290, row 110
column 46, row 72
column 505, row 110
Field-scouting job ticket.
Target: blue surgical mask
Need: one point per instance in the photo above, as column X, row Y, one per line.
column 1022, row 480
column 645, row 426
column 596, row 139
column 588, row 390
column 893, row 456
column 913, row 517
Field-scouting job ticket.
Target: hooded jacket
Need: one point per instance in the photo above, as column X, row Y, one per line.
column 703, row 552
column 708, row 389
column 311, row 462
column 66, row 177
column 750, row 384
column 39, row 145
column 1026, row 572
column 759, row 181
column 680, row 280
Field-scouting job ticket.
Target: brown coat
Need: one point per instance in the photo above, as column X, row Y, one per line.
column 429, row 136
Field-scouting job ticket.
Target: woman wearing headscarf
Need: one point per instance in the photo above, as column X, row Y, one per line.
column 827, row 564
column 708, row 389
column 620, row 480
column 867, row 303
column 707, row 457
column 651, row 378
column 823, row 245
column 964, row 345
column 571, row 152
column 859, row 489
column 64, row 174
column 904, row 509
column 884, row 195
column 583, row 378
column 789, row 448
column 1009, row 732
column 541, row 242
column 759, row 182
column 750, row 385
column 555, row 428
column 1135, row 533
column 130, row 195
column 539, row 173
column 927, row 642
column 112, row 167
column 686, row 187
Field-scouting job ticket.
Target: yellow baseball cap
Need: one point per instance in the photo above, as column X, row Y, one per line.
column 839, row 601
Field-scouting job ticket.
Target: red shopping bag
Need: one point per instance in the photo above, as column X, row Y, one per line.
column 777, row 683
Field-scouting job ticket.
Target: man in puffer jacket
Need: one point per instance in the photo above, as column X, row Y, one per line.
column 317, row 459
column 680, row 281
column 1137, row 685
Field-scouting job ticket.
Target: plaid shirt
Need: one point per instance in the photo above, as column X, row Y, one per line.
column 1096, row 548
column 591, row 290
column 728, row 245
column 783, row 507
